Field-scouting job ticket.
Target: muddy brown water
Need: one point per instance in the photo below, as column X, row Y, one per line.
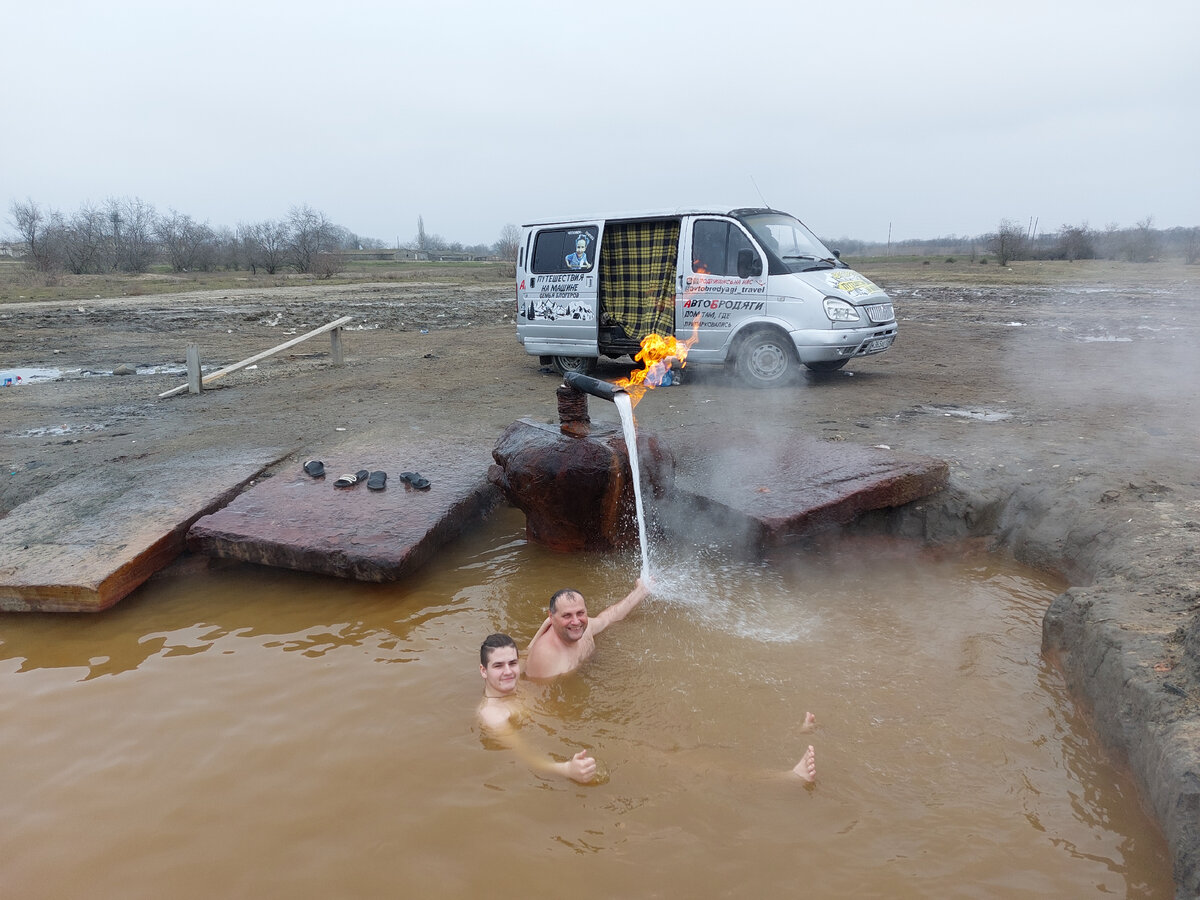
column 240, row 732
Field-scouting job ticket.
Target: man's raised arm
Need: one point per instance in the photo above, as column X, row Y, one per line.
column 622, row 608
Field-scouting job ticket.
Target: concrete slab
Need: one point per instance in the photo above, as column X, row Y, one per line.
column 90, row 541
column 773, row 490
column 294, row 521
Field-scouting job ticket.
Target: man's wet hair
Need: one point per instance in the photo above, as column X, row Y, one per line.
column 494, row 642
column 563, row 593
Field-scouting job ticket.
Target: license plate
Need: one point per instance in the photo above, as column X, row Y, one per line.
column 879, row 344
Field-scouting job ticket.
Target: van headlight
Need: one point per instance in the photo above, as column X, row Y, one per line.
column 840, row 310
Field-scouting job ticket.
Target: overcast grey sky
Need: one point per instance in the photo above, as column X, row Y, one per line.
column 928, row 118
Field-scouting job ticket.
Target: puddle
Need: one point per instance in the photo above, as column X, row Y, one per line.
column 979, row 415
column 18, row 377
column 23, row 376
column 59, row 430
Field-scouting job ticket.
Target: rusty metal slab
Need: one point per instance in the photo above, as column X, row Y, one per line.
column 294, row 521
column 88, row 542
column 781, row 487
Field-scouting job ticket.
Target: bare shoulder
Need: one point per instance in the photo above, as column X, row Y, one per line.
column 542, row 660
column 495, row 715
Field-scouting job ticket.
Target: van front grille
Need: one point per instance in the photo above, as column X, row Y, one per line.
column 880, row 312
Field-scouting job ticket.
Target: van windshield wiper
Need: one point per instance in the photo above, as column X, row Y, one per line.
column 821, row 263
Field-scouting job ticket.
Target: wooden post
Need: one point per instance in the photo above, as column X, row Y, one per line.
column 193, row 368
column 335, row 346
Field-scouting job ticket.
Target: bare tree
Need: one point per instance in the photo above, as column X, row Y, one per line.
column 310, row 234
column 86, row 246
column 508, row 242
column 131, row 233
column 1143, row 241
column 226, row 248
column 188, row 244
column 33, row 227
column 343, row 238
column 1008, row 241
column 1191, row 246
column 1076, row 242
column 265, row 245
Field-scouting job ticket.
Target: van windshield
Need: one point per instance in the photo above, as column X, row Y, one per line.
column 787, row 238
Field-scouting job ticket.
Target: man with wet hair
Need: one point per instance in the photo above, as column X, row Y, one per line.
column 501, row 711
column 568, row 637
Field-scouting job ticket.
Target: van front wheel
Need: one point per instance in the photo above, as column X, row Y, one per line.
column 831, row 365
column 584, row 365
column 766, row 359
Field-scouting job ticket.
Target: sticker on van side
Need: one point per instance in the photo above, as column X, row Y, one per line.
column 713, row 312
column 723, row 284
column 545, row 309
column 851, row 283
column 559, row 287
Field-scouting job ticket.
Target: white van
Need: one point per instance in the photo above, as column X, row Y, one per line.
column 754, row 287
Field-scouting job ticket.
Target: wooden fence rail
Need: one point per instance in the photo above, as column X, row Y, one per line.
column 335, row 326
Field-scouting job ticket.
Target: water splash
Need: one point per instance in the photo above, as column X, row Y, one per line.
column 744, row 598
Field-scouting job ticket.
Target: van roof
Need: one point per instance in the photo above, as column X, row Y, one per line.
column 653, row 214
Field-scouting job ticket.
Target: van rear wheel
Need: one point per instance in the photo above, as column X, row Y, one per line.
column 584, row 365
column 765, row 359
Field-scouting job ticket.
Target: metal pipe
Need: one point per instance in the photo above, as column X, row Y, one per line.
column 605, row 390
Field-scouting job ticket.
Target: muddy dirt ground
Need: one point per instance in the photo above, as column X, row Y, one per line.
column 1068, row 413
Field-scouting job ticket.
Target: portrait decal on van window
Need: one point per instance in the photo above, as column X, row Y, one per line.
column 560, row 250
column 579, row 259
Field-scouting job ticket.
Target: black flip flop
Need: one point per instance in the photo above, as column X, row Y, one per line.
column 377, row 481
column 315, row 468
column 418, row 481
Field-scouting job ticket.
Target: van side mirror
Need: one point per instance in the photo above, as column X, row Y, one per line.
column 837, row 254
column 749, row 263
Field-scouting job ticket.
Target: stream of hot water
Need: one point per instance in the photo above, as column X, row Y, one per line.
column 625, row 408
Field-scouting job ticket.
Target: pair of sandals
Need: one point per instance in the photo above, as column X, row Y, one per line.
column 376, row 481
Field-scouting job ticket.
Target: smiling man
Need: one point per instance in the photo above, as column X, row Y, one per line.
column 501, row 711
column 568, row 637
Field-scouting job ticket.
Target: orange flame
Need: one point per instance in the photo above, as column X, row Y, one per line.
column 659, row 354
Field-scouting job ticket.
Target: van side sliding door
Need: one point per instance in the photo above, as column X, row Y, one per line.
column 557, row 305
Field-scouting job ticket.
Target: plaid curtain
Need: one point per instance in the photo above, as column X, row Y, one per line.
column 637, row 276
